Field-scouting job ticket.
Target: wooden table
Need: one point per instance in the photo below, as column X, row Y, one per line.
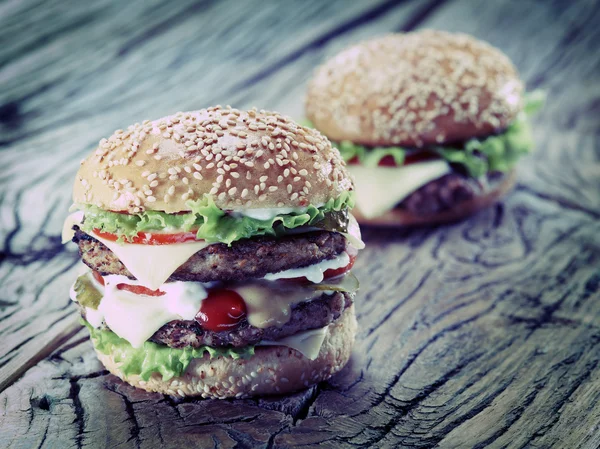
column 483, row 333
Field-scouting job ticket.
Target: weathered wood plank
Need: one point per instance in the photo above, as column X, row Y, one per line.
column 484, row 333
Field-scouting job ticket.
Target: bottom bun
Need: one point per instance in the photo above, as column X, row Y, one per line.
column 401, row 217
column 271, row 370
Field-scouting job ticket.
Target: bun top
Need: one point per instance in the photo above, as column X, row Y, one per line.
column 242, row 159
column 414, row 89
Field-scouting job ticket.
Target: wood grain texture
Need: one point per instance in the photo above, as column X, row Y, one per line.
column 481, row 334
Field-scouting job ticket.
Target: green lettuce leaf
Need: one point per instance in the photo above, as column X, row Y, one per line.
column 212, row 224
column 154, row 358
column 501, row 151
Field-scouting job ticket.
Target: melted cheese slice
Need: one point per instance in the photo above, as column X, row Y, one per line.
column 379, row 189
column 267, row 306
column 308, row 342
column 152, row 265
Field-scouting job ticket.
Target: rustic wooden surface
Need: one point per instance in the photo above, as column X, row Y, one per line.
column 483, row 333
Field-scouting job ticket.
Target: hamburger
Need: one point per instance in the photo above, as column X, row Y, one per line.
column 217, row 246
column 431, row 124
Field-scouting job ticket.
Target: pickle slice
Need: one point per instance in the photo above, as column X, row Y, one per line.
column 346, row 283
column 86, row 292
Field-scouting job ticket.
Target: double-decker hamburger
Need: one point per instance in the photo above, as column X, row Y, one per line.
column 218, row 245
column 431, row 124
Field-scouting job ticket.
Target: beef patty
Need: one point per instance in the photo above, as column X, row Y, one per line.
column 304, row 316
column 449, row 191
column 243, row 260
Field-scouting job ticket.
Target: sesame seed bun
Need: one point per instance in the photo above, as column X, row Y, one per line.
column 243, row 159
column 402, row 217
column 272, row 369
column 414, row 89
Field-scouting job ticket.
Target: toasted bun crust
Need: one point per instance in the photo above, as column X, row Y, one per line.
column 272, row 369
column 400, row 217
column 242, row 159
column 414, row 89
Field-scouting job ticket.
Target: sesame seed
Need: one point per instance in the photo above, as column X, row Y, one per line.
column 151, row 199
column 154, row 183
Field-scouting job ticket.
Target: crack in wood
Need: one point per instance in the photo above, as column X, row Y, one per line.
column 306, row 405
column 399, row 303
column 559, row 201
column 79, row 412
column 555, row 408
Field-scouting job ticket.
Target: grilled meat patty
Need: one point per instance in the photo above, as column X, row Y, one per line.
column 304, row 316
column 449, row 191
column 243, row 260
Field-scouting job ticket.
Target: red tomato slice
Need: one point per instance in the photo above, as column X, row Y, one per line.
column 333, row 272
column 222, row 310
column 140, row 290
column 411, row 158
column 98, row 277
column 419, row 156
column 148, row 238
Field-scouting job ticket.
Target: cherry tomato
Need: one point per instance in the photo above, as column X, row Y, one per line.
column 222, row 310
column 148, row 238
column 140, row 290
column 98, row 277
